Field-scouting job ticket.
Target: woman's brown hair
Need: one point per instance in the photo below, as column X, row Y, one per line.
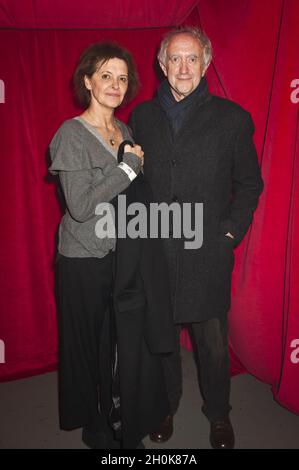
column 93, row 57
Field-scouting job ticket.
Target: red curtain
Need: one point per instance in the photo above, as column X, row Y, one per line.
column 255, row 64
column 93, row 14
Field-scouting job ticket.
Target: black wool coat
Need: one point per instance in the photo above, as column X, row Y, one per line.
column 212, row 160
column 144, row 327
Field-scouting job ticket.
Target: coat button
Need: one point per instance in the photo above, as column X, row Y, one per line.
column 174, row 198
column 174, row 162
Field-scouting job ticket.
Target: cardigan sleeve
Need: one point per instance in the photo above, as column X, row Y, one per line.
column 85, row 186
column 247, row 183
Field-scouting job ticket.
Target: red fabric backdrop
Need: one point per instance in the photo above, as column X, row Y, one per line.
column 256, row 64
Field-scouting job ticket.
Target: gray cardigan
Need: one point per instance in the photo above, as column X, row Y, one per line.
column 89, row 174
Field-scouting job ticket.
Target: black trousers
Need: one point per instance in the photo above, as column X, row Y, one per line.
column 84, row 294
column 210, row 342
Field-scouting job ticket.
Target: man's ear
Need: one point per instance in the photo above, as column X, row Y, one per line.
column 164, row 69
column 204, row 69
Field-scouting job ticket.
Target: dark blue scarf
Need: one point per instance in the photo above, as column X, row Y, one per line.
column 177, row 111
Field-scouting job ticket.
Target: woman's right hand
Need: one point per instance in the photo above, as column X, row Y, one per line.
column 137, row 150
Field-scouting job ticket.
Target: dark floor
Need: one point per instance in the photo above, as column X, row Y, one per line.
column 29, row 419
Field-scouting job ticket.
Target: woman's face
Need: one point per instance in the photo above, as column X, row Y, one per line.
column 108, row 84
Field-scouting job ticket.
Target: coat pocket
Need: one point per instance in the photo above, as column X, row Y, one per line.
column 226, row 253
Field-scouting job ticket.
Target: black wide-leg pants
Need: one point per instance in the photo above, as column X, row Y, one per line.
column 84, row 288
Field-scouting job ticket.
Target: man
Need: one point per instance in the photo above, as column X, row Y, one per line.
column 199, row 148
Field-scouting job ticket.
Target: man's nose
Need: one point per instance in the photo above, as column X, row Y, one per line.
column 184, row 66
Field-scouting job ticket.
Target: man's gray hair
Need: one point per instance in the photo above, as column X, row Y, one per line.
column 197, row 34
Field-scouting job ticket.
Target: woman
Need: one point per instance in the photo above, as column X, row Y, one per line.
column 84, row 155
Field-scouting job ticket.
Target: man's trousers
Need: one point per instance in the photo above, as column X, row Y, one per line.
column 210, row 342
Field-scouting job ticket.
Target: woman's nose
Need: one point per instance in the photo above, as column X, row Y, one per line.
column 115, row 83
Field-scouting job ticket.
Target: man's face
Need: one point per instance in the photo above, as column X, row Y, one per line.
column 184, row 66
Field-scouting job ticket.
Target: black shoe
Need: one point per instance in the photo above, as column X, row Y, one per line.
column 164, row 432
column 222, row 435
column 100, row 439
